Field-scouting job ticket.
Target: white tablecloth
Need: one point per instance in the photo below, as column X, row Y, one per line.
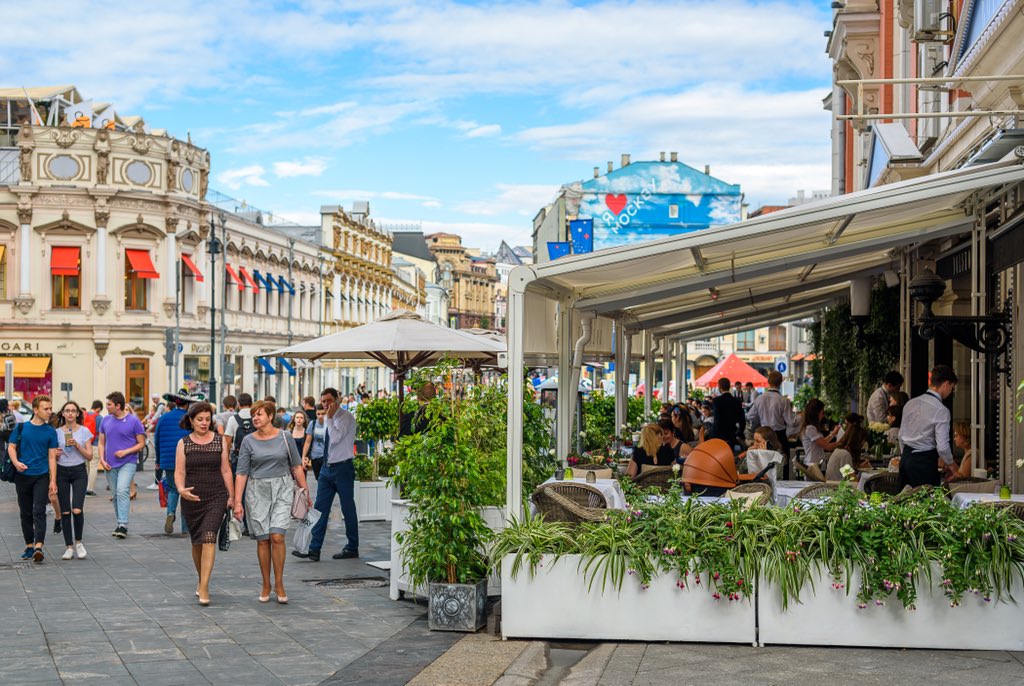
column 965, row 499
column 609, row 487
column 785, row 490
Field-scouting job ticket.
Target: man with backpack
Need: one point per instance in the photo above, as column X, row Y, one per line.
column 238, row 427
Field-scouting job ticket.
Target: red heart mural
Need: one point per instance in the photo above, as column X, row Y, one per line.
column 615, row 203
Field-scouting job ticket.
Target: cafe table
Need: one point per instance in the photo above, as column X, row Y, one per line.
column 965, row 499
column 610, row 488
column 786, row 489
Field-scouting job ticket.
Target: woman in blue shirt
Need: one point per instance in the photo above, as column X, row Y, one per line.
column 32, row 445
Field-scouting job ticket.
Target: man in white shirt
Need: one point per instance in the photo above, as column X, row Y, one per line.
column 924, row 432
column 878, row 403
column 774, row 410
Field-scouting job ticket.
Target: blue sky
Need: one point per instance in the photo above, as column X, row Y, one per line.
column 462, row 117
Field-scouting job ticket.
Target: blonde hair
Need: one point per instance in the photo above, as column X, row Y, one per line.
column 963, row 429
column 266, row 407
column 650, row 439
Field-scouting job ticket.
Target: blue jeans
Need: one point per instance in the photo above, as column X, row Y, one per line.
column 338, row 478
column 173, row 496
column 120, row 481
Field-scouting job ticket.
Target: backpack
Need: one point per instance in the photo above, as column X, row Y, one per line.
column 7, row 470
column 244, row 429
column 8, row 422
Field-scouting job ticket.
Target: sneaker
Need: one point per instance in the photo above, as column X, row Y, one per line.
column 80, row 551
column 345, row 554
column 69, row 554
column 57, row 526
column 120, row 532
column 153, row 487
column 37, row 555
column 27, row 555
column 169, row 524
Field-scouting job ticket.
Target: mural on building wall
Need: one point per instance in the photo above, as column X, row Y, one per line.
column 647, row 200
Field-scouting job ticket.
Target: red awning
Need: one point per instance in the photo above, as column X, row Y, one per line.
column 141, row 264
column 192, row 267
column 797, row 357
column 734, row 369
column 810, row 358
column 248, row 279
column 64, row 261
column 234, row 278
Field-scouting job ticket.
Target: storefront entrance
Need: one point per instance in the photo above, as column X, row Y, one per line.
column 136, row 384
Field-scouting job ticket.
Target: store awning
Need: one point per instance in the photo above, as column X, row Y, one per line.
column 26, row 367
column 260, row 279
column 235, row 279
column 267, row 367
column 64, row 261
column 797, row 357
column 272, row 282
column 248, row 279
column 287, row 365
column 284, row 283
column 2, row 252
column 141, row 264
column 191, row 266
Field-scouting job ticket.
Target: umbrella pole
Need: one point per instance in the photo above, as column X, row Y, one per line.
column 400, row 378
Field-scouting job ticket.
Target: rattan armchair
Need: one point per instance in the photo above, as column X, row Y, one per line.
column 883, row 482
column 1016, row 509
column 661, row 478
column 907, row 493
column 816, row 490
column 563, row 501
column 763, row 491
column 601, row 471
column 971, row 484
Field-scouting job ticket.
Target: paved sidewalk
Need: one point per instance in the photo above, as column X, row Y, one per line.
column 128, row 615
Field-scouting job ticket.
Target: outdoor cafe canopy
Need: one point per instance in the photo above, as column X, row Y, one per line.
column 780, row 266
column 734, row 369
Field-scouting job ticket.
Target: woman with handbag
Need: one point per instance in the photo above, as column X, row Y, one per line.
column 268, row 461
column 202, row 477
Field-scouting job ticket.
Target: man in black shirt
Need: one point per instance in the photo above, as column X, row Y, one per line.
column 729, row 421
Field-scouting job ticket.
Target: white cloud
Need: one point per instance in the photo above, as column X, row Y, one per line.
column 522, row 199
column 349, row 194
column 484, row 131
column 309, row 166
column 251, row 175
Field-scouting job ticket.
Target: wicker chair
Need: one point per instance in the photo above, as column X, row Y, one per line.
column 763, row 490
column 816, row 490
column 656, row 477
column 971, row 484
column 602, row 471
column 908, row 493
column 1016, row 509
column 801, row 469
column 885, row 482
column 570, row 502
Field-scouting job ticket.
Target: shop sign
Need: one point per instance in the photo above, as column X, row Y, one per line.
column 18, row 347
column 204, row 349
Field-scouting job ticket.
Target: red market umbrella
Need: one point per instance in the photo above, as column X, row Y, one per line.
column 734, row 369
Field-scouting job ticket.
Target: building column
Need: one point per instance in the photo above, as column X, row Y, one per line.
column 25, row 258
column 336, row 312
column 171, row 280
column 101, row 259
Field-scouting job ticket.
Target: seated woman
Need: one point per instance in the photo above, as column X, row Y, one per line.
column 813, row 438
column 962, row 440
column 849, row 450
column 672, row 449
column 895, row 419
column 681, row 424
column 764, row 449
column 647, row 453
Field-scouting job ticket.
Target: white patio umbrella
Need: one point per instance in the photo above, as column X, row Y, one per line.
column 400, row 340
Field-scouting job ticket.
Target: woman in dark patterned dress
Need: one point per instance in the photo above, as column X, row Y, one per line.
column 202, row 475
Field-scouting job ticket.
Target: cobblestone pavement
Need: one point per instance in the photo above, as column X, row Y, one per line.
column 128, row 614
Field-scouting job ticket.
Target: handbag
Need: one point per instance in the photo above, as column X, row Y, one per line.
column 234, row 529
column 300, row 502
column 223, row 537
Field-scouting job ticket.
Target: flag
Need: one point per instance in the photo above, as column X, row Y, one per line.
column 582, row 233
column 557, row 249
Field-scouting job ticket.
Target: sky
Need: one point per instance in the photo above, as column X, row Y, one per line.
column 458, row 117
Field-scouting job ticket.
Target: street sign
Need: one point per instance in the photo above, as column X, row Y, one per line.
column 781, row 365
column 65, row 385
column 180, row 347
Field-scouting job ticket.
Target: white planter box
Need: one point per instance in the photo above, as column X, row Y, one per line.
column 494, row 517
column 555, row 603
column 373, row 500
column 826, row 616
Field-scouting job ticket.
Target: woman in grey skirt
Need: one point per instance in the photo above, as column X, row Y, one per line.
column 267, row 463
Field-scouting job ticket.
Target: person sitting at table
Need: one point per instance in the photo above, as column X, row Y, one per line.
column 849, row 450
column 814, row 439
column 671, row 449
column 899, row 399
column 894, row 419
column 681, row 424
column 647, row 452
column 764, row 450
column 707, row 419
column 962, row 440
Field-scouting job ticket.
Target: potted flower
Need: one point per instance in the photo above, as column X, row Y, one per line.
column 444, row 548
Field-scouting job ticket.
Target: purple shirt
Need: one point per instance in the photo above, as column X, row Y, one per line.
column 121, row 435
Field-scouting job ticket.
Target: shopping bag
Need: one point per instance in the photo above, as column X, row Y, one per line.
column 234, row 530
column 163, row 493
column 304, row 532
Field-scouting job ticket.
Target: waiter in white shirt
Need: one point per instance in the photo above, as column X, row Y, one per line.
column 878, row 403
column 924, row 432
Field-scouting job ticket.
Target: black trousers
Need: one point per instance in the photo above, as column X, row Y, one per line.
column 919, row 467
column 33, row 495
column 71, row 483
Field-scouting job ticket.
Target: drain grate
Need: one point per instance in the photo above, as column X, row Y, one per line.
column 15, row 565
column 350, row 582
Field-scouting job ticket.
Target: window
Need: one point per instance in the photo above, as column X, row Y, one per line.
column 777, row 338
column 3, row 272
column 66, row 278
column 328, row 314
column 138, row 270
column 745, row 340
column 186, row 290
column 673, row 211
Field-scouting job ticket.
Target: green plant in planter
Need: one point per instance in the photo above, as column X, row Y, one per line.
column 364, row 467
column 377, row 420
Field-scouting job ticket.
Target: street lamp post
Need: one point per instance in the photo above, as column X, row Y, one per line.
column 214, row 248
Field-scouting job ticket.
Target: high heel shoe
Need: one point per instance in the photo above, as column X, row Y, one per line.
column 264, row 598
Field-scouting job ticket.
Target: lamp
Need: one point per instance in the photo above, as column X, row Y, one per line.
column 990, row 333
column 860, row 305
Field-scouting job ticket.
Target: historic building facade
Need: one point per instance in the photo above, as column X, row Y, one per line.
column 469, row 279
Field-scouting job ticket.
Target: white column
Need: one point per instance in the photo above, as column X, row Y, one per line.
column 336, row 300
column 170, row 279
column 566, row 399
column 680, row 375
column 514, row 437
column 101, row 261
column 666, row 368
column 648, row 371
column 346, row 304
column 363, row 309
column 621, row 376
column 25, row 267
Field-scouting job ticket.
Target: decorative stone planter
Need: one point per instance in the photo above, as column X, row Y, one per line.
column 494, row 517
column 830, row 617
column 556, row 603
column 456, row 607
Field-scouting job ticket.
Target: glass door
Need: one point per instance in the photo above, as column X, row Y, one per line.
column 137, row 384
